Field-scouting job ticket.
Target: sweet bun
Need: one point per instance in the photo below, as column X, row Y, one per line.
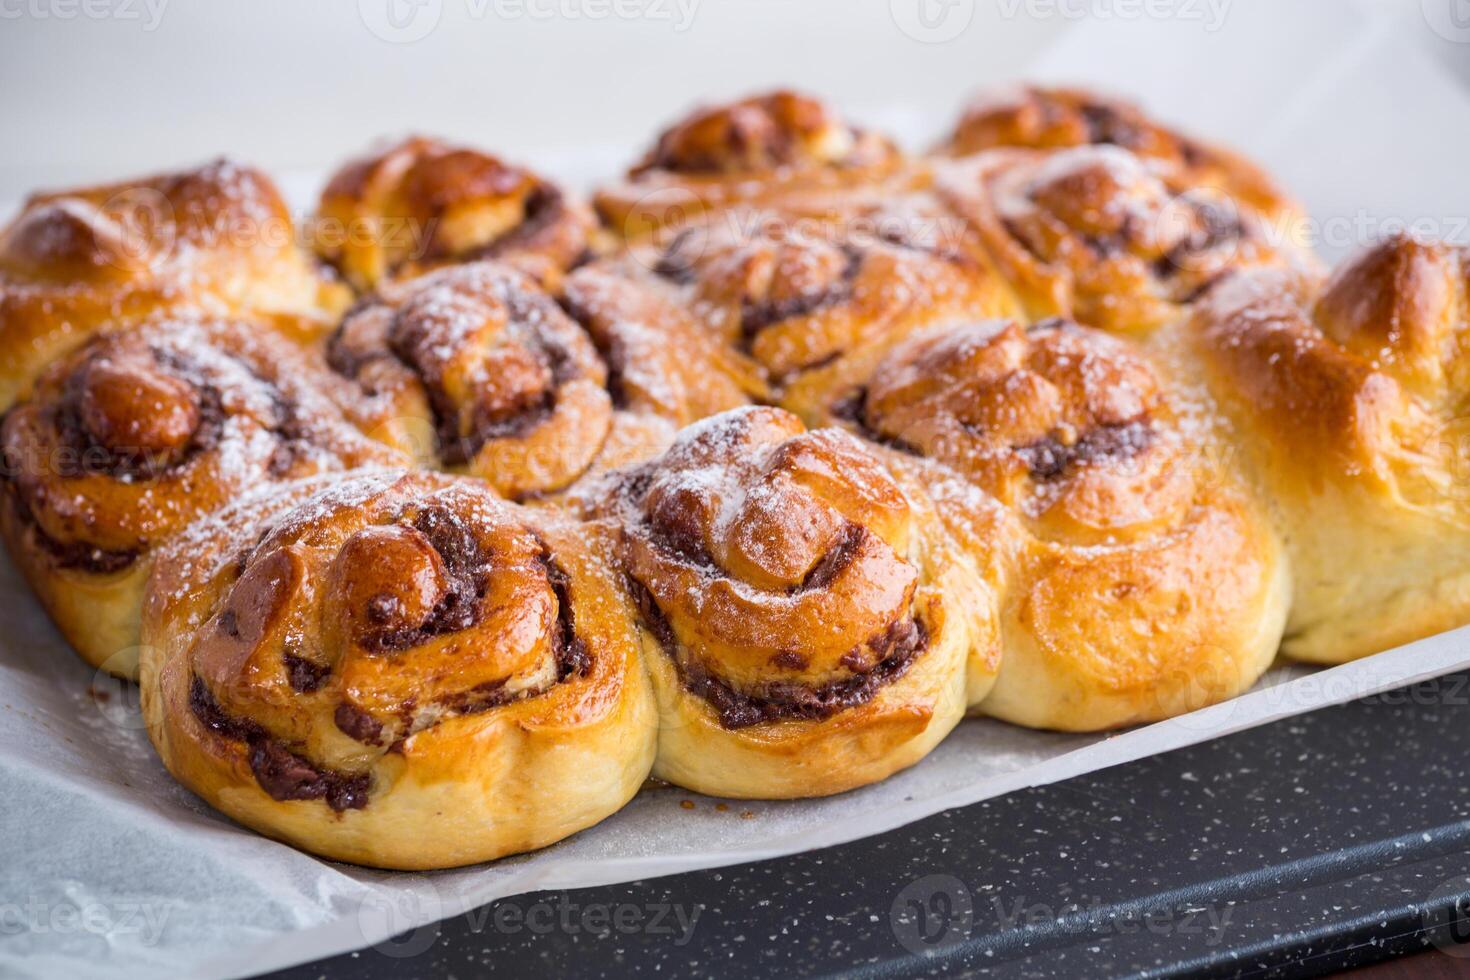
column 762, row 151
column 1053, row 118
column 398, row 670
column 1110, row 238
column 804, row 301
column 1348, row 405
column 1142, row 578
column 217, row 239
column 803, row 632
column 422, row 203
column 476, row 369
column 136, row 434
column 808, row 450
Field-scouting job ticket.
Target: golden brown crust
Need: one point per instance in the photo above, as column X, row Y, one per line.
column 131, row 438
column 1111, row 495
column 217, row 239
column 760, row 151
column 804, row 636
column 423, row 203
column 1348, row 404
column 1054, row 118
column 1114, row 240
column 398, row 670
column 1051, row 524
column 476, row 369
column 803, row 300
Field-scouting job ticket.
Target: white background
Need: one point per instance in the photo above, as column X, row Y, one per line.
column 99, row 89
column 295, row 85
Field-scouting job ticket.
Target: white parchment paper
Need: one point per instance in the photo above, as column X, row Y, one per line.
column 107, row 867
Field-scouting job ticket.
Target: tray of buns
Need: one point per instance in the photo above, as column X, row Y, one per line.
column 469, row 514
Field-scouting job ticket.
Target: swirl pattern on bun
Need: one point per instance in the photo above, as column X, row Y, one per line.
column 1055, row 118
column 396, row 669
column 1098, row 234
column 1115, row 496
column 803, row 300
column 217, row 239
column 423, row 203
column 137, row 434
column 476, row 369
column 803, row 633
column 758, row 151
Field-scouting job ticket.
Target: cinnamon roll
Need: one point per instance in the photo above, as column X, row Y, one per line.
column 476, row 369
column 1348, row 404
column 1054, row 118
column 217, row 239
column 763, row 150
column 1112, row 239
column 135, row 435
column 398, row 670
column 803, row 300
column 1144, row 581
column 423, row 203
column 804, row 632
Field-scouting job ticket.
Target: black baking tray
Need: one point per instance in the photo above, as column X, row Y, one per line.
column 1330, row 840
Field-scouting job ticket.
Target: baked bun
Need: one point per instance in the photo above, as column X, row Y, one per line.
column 399, row 670
column 763, row 150
column 476, row 369
column 1144, row 581
column 804, row 300
column 132, row 437
column 1054, row 118
column 803, row 632
column 422, row 203
column 1109, row 238
column 1348, row 406
column 217, row 239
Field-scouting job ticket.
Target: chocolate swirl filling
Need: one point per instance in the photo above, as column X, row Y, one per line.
column 85, row 452
column 281, row 773
column 544, row 206
column 75, row 555
column 891, row 652
column 880, row 660
column 286, row 775
column 1050, row 458
column 757, row 316
column 524, row 397
column 466, row 579
column 90, row 442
